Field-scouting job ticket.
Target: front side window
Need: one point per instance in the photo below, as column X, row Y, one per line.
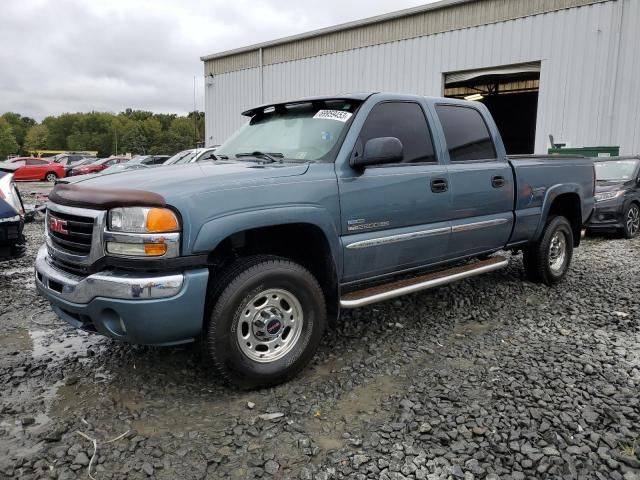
column 301, row 131
column 468, row 138
column 404, row 121
column 184, row 158
column 36, row 162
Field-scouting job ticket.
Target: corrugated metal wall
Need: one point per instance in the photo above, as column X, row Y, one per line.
column 448, row 18
column 590, row 67
column 625, row 104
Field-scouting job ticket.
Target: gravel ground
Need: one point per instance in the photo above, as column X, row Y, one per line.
column 489, row 378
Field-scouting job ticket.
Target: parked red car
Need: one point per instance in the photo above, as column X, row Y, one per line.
column 98, row 166
column 37, row 169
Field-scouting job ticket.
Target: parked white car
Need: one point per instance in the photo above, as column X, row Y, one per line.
column 192, row 155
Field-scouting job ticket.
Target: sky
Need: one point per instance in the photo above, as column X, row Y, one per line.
column 61, row 56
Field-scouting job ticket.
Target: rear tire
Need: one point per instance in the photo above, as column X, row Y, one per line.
column 50, row 177
column 548, row 259
column 631, row 221
column 266, row 316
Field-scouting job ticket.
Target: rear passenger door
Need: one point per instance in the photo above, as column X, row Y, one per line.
column 394, row 216
column 481, row 184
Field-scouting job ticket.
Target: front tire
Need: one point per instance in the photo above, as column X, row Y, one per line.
column 50, row 177
column 631, row 221
column 548, row 259
column 266, row 318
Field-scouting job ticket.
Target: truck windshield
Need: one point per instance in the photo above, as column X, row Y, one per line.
column 618, row 170
column 300, row 132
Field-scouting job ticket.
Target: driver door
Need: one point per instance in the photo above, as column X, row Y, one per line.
column 395, row 216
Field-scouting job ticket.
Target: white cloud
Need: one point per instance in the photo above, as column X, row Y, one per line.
column 74, row 55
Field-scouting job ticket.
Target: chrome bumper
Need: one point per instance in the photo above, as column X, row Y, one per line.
column 122, row 285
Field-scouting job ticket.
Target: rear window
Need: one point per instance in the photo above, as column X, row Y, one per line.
column 468, row 138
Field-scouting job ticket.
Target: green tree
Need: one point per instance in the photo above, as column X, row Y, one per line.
column 165, row 119
column 8, row 144
column 135, row 131
column 182, row 132
column 20, row 125
column 140, row 136
column 92, row 131
column 137, row 114
column 60, row 128
column 36, row 138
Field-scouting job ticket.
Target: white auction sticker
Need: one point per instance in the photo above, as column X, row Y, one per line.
column 338, row 115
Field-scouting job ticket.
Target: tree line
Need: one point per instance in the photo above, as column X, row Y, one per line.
column 132, row 131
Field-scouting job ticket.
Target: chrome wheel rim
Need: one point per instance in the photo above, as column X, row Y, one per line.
column 633, row 221
column 557, row 252
column 270, row 325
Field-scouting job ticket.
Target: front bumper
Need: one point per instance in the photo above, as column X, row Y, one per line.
column 149, row 309
column 608, row 215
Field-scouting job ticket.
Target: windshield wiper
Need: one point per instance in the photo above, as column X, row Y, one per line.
column 271, row 156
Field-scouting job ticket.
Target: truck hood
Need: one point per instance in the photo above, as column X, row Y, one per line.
column 177, row 181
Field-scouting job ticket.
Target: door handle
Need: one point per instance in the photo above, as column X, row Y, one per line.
column 497, row 181
column 439, row 185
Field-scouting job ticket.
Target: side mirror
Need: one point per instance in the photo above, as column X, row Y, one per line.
column 378, row 151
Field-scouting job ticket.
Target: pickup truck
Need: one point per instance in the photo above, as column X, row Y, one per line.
column 313, row 206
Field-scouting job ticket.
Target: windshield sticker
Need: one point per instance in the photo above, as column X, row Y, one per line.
column 326, row 136
column 333, row 115
column 301, row 155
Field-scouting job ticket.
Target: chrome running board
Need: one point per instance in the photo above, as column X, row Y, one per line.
column 398, row 288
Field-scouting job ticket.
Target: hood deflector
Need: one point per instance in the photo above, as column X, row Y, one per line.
column 104, row 198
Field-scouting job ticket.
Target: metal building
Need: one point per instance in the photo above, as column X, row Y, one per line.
column 567, row 68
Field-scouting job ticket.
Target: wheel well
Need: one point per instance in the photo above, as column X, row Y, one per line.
column 305, row 244
column 54, row 173
column 568, row 205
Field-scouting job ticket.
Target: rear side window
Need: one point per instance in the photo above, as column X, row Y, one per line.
column 36, row 162
column 406, row 122
column 466, row 133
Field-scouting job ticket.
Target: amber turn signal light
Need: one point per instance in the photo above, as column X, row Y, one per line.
column 161, row 220
column 155, row 249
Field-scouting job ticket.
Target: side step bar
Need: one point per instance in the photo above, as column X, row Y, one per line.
column 398, row 288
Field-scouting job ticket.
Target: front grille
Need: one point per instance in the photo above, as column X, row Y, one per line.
column 74, row 269
column 78, row 236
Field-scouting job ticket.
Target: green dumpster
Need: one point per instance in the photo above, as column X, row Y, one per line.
column 587, row 151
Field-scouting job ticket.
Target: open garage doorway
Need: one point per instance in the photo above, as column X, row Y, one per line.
column 511, row 95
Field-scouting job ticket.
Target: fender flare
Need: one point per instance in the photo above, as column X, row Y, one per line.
column 550, row 195
column 215, row 230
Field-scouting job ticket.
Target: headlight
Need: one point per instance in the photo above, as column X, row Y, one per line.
column 142, row 232
column 601, row 197
column 9, row 193
column 143, row 220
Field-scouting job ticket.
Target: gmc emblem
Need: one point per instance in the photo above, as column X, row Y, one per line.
column 58, row 226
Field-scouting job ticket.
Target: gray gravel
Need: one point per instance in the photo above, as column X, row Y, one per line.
column 491, row 378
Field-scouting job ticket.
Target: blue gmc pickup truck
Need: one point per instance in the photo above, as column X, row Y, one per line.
column 313, row 206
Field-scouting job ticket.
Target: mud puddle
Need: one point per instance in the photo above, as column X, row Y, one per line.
column 9, row 272
column 352, row 413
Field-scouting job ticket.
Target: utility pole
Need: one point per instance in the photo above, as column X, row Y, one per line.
column 195, row 116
